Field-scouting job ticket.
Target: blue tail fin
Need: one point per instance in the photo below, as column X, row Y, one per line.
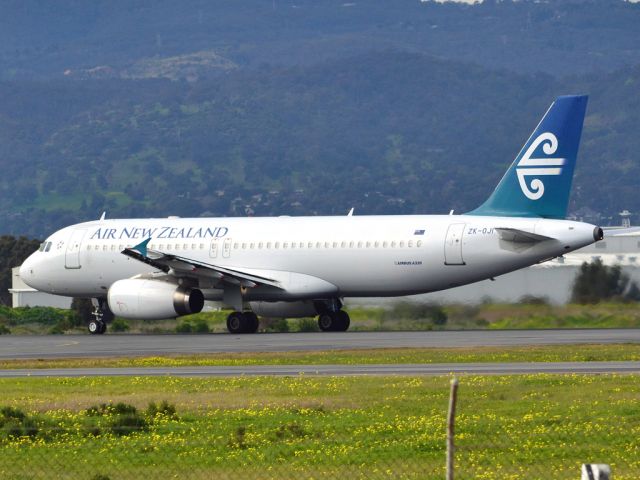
column 538, row 181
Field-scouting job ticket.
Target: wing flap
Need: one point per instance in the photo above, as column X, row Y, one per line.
column 190, row 267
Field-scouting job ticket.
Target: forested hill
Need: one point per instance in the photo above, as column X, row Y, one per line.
column 138, row 39
column 384, row 132
column 301, row 108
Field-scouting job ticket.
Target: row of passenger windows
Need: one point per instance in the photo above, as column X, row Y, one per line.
column 268, row 245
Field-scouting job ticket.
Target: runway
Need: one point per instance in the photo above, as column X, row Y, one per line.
column 119, row 345
column 341, row 370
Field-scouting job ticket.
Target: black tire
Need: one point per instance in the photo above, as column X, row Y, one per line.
column 96, row 327
column 341, row 321
column 252, row 322
column 236, row 322
column 326, row 322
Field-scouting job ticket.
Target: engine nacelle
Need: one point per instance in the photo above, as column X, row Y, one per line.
column 153, row 299
column 284, row 309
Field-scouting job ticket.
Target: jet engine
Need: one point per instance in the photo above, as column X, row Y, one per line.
column 153, row 299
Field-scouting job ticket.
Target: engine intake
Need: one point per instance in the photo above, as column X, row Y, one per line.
column 153, row 299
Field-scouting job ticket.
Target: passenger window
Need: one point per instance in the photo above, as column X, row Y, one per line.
column 168, row 246
column 326, row 244
column 185, row 247
column 260, row 245
column 293, row 245
column 343, row 245
column 384, row 244
column 177, row 246
column 244, row 246
column 401, row 244
column 335, row 244
column 368, row 244
column 104, row 248
column 269, row 245
column 88, row 247
column 359, row 244
column 113, row 248
column 285, row 245
column 419, row 243
column 310, row 245
column 121, row 247
column 350, row 244
column 202, row 246
column 235, row 246
column 318, row 245
column 410, row 243
column 277, row 245
column 376, row 244
column 251, row 246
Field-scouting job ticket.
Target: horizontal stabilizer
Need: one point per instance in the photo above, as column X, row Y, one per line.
column 520, row 236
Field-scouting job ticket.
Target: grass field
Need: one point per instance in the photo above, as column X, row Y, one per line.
column 508, row 427
column 397, row 316
column 544, row 353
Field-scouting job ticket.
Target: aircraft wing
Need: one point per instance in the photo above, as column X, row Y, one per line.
column 182, row 266
column 520, row 236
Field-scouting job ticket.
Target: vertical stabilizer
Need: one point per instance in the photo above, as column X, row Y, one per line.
column 538, row 181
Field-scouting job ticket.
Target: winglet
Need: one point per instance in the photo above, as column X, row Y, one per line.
column 142, row 247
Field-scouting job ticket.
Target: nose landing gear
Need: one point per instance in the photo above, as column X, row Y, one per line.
column 102, row 314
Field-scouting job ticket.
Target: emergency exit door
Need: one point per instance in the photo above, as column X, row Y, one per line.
column 453, row 244
column 72, row 254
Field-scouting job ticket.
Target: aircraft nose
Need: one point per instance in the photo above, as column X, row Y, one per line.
column 27, row 271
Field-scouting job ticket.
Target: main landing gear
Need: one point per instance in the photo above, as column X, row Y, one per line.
column 102, row 316
column 334, row 321
column 242, row 322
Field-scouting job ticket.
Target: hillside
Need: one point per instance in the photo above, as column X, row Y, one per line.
column 385, row 132
column 107, row 38
column 260, row 108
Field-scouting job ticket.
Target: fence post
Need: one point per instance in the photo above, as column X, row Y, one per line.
column 451, row 426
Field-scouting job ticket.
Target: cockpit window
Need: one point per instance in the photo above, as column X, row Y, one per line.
column 47, row 247
column 41, row 249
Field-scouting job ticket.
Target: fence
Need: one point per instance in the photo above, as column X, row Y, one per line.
column 312, row 442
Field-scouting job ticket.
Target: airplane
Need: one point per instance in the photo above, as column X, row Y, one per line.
column 306, row 266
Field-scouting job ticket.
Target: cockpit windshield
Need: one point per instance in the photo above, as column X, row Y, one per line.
column 45, row 247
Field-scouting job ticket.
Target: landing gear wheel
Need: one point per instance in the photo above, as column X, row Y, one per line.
column 252, row 322
column 342, row 321
column 235, row 322
column 334, row 322
column 96, row 327
column 246, row 322
column 325, row 322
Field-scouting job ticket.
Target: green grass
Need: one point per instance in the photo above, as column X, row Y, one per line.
column 544, row 353
column 508, row 427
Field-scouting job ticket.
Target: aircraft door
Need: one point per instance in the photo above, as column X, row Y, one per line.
column 226, row 248
column 453, row 245
column 72, row 254
column 213, row 251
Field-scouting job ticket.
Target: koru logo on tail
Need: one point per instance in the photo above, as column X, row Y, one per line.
column 538, row 167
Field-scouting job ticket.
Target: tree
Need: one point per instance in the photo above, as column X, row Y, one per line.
column 597, row 282
column 13, row 251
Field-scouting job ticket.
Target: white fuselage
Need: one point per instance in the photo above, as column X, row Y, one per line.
column 313, row 257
